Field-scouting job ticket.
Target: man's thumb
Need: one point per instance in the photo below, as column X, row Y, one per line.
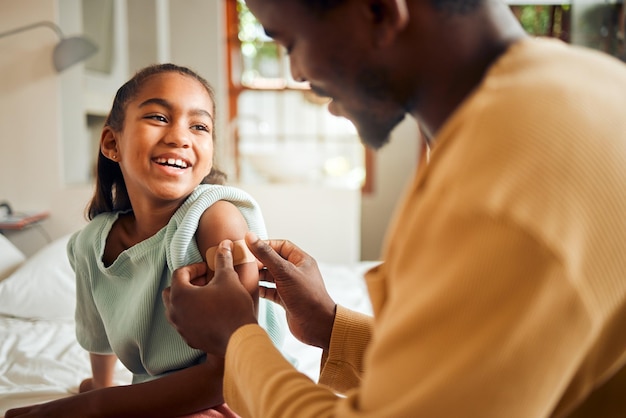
column 224, row 255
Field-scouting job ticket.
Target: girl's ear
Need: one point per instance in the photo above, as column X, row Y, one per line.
column 108, row 144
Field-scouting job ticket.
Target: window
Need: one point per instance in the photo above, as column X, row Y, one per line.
column 545, row 19
column 281, row 131
column 594, row 24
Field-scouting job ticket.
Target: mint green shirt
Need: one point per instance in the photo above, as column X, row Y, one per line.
column 119, row 308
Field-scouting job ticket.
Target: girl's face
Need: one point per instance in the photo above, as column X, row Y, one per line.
column 166, row 146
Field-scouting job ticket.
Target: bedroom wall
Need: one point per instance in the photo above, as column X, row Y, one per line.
column 30, row 116
column 40, row 110
column 395, row 165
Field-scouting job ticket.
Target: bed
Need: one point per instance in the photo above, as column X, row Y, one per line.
column 40, row 359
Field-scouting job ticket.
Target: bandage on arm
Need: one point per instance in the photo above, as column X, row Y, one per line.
column 241, row 254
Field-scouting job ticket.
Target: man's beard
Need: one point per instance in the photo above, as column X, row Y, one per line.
column 375, row 133
column 375, row 127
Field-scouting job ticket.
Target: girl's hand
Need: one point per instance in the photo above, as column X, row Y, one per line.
column 86, row 385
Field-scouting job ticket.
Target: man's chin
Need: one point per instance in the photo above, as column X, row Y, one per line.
column 375, row 136
column 374, row 142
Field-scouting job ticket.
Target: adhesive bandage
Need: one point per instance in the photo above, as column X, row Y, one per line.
column 241, row 254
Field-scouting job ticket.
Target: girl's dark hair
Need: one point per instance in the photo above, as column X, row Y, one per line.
column 111, row 194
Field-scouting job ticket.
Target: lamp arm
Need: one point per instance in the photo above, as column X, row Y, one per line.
column 46, row 23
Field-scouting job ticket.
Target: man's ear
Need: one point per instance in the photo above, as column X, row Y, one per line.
column 108, row 144
column 390, row 17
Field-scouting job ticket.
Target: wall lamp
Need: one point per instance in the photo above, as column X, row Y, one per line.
column 68, row 51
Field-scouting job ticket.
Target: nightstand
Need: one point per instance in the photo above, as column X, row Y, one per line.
column 20, row 220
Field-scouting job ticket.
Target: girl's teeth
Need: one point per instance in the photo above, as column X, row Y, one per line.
column 172, row 161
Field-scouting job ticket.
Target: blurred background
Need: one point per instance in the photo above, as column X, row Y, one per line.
column 316, row 183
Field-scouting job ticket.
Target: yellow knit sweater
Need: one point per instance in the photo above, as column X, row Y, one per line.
column 503, row 288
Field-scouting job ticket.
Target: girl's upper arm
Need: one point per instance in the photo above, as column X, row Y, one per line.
column 224, row 221
column 220, row 221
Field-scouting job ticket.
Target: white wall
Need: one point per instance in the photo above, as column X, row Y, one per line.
column 30, row 121
column 40, row 110
column 395, row 164
column 324, row 222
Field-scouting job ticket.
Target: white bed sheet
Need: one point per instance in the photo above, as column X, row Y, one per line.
column 40, row 359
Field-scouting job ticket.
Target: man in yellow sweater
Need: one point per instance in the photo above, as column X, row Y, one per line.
column 503, row 287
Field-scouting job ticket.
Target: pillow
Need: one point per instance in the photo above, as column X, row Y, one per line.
column 10, row 257
column 43, row 287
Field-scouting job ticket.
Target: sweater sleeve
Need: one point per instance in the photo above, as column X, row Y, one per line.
column 253, row 365
column 342, row 365
column 260, row 382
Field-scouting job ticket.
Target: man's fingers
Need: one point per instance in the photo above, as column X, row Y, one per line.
column 165, row 296
column 270, row 294
column 264, row 251
column 266, row 276
column 224, row 256
column 185, row 275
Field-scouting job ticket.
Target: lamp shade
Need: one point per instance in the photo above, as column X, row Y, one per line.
column 68, row 51
column 72, row 50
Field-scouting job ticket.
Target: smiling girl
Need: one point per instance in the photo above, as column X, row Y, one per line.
column 152, row 213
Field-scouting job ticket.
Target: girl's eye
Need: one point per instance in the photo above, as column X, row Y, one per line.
column 159, row 118
column 201, row 127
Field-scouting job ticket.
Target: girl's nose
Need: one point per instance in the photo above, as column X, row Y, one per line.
column 178, row 136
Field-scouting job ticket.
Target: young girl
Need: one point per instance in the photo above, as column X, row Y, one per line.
column 150, row 214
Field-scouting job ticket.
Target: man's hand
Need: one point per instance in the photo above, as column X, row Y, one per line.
column 299, row 289
column 206, row 315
